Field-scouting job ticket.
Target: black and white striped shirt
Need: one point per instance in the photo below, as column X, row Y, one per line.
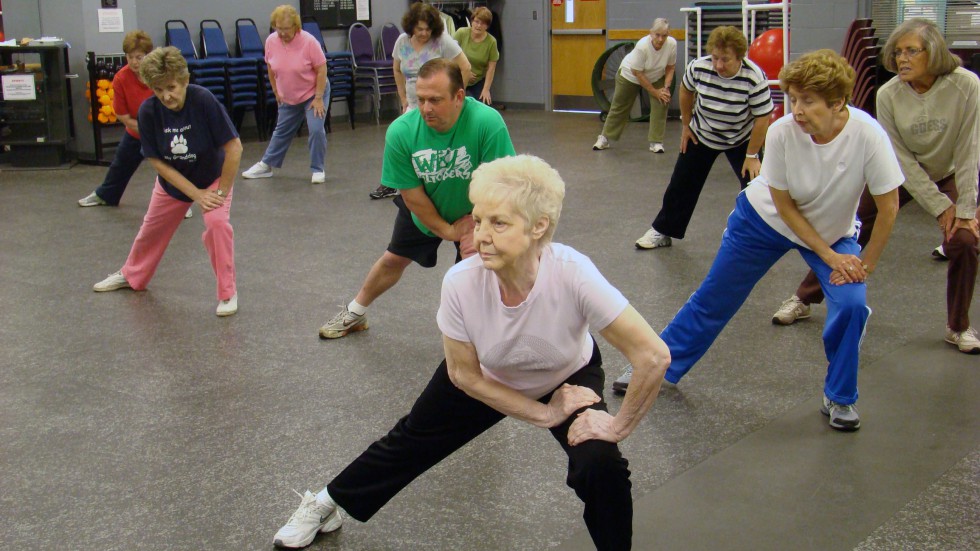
column 724, row 108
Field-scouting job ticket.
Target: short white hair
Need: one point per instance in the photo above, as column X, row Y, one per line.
column 527, row 183
column 660, row 24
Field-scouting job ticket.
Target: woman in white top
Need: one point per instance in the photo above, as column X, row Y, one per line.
column 650, row 66
column 516, row 324
column 931, row 115
column 818, row 160
column 424, row 39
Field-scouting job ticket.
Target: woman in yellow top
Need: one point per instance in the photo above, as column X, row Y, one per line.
column 481, row 50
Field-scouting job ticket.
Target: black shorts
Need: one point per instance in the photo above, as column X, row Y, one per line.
column 408, row 241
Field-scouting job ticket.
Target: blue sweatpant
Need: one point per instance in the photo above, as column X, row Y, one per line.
column 749, row 248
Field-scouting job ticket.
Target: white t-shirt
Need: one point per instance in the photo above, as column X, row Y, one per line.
column 649, row 60
column 825, row 180
column 535, row 346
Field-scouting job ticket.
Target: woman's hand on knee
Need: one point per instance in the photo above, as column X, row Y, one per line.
column 567, row 400
column 594, row 424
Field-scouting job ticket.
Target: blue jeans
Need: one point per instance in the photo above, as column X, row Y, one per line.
column 288, row 122
column 129, row 155
column 749, row 248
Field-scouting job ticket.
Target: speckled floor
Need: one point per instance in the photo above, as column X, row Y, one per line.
column 142, row 421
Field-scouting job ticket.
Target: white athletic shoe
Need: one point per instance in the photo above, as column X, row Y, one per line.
column 93, row 200
column 189, row 213
column 653, row 239
column 318, row 178
column 656, row 147
column 600, row 144
column 791, row 310
column 310, row 518
column 227, row 307
column 113, row 282
column 258, row 170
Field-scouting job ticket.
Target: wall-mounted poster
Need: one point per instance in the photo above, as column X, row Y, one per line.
column 336, row 14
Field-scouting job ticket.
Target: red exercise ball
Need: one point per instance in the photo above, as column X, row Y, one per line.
column 767, row 52
column 777, row 113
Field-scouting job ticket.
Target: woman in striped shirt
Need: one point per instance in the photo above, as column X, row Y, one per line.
column 725, row 107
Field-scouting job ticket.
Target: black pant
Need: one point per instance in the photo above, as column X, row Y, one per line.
column 129, row 155
column 444, row 419
column 690, row 172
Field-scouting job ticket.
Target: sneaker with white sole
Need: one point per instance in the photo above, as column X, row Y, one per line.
column 311, row 517
column 343, row 323
column 791, row 310
column 91, row 200
column 966, row 340
column 600, row 143
column 841, row 417
column 621, row 384
column 318, row 178
column 113, row 282
column 227, row 307
column 656, row 147
column 382, row 192
column 258, row 170
column 653, row 239
column 189, row 213
column 939, row 253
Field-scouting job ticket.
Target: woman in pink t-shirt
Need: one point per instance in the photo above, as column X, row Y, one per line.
column 298, row 75
column 516, row 323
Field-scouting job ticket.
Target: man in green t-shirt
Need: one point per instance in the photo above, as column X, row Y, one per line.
column 430, row 154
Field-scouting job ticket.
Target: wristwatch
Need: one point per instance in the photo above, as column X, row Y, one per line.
column 751, row 155
column 220, row 192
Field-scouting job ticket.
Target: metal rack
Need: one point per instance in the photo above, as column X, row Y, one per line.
column 97, row 65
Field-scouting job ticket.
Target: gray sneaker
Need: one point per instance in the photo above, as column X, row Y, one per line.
column 258, row 170
column 620, row 385
column 91, row 200
column 841, row 417
column 966, row 341
column 310, row 518
column 653, row 239
column 343, row 323
column 791, row 310
column 113, row 282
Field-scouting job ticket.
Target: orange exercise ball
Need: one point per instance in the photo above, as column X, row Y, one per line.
column 767, row 52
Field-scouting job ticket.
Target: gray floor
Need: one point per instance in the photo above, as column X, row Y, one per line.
column 141, row 420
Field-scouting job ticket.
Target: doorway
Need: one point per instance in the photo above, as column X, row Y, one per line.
column 578, row 38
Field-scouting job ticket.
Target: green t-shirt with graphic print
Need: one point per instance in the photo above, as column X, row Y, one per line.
column 416, row 155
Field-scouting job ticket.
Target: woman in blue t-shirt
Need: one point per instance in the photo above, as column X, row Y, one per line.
column 190, row 141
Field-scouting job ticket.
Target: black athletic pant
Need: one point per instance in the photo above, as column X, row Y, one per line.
column 690, row 172
column 444, row 419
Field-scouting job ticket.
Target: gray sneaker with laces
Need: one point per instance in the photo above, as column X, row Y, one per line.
column 93, row 200
column 841, row 417
column 311, row 517
column 621, row 384
column 791, row 310
column 343, row 323
column 966, row 340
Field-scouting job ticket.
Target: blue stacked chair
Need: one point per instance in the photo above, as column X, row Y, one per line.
column 241, row 73
column 209, row 73
column 340, row 72
column 250, row 45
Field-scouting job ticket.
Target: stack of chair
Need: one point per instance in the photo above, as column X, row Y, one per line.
column 249, row 44
column 861, row 50
column 371, row 75
column 209, row 73
column 241, row 73
column 340, row 73
column 386, row 42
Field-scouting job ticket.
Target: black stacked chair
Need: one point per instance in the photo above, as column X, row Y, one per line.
column 241, row 73
column 250, row 45
column 209, row 73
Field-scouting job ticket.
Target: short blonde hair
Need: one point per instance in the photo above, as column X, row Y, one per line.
column 941, row 60
column 527, row 183
column 288, row 13
column 137, row 41
column 483, row 14
column 164, row 65
column 727, row 37
column 822, row 72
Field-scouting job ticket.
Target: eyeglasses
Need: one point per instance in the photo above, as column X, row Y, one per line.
column 908, row 52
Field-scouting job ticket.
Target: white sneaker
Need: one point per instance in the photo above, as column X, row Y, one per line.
column 318, row 177
column 189, row 213
column 938, row 253
column 653, row 239
column 227, row 307
column 656, row 147
column 600, row 144
column 310, row 518
column 965, row 340
column 791, row 310
column 91, row 200
column 258, row 170
column 113, row 282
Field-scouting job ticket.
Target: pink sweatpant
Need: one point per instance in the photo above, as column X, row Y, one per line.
column 159, row 225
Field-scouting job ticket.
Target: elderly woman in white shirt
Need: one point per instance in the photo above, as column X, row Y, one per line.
column 516, row 322
column 650, row 67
